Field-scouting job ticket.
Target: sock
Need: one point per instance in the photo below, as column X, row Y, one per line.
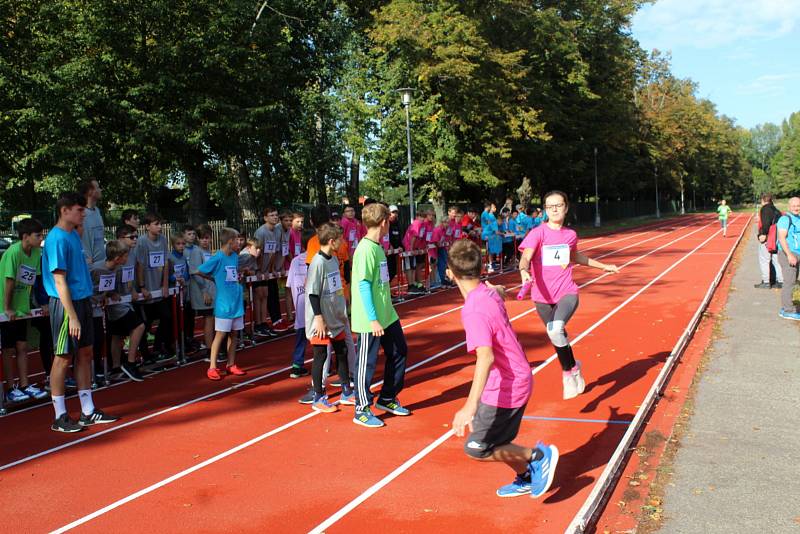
column 525, row 476
column 87, row 406
column 59, row 405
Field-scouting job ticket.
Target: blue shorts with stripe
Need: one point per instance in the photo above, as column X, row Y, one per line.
column 63, row 343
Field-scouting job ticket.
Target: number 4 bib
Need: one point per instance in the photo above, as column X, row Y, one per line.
column 555, row 255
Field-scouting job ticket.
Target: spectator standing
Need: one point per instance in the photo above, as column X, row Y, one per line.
column 789, row 257
column 767, row 216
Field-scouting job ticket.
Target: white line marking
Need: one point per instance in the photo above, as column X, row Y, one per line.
column 177, row 476
column 427, row 450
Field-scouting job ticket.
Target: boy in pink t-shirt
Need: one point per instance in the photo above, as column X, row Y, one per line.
column 548, row 252
column 502, row 383
column 352, row 229
column 414, row 239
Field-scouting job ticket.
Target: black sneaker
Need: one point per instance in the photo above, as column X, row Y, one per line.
column 778, row 285
column 298, row 372
column 308, row 398
column 132, row 372
column 97, row 417
column 762, row 285
column 65, row 424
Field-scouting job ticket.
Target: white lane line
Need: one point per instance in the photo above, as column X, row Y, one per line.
column 441, row 439
column 177, row 476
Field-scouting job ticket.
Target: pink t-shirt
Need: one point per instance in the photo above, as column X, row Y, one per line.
column 486, row 324
column 452, row 231
column 413, row 232
column 295, row 243
column 437, row 238
column 551, row 266
column 353, row 232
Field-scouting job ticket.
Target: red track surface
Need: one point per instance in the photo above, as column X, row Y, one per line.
column 311, row 466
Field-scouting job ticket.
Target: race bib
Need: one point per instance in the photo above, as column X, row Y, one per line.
column 385, row 238
column 384, row 272
column 458, row 232
column 297, row 249
column 156, row 260
column 270, row 247
column 429, row 237
column 334, row 282
column 127, row 275
column 108, row 282
column 231, row 273
column 555, row 255
column 206, row 256
column 180, row 270
column 352, row 235
column 448, row 232
column 26, row 275
column 284, row 249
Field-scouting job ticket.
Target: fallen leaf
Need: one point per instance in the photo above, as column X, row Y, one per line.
column 634, row 483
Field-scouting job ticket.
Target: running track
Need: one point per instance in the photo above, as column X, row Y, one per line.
column 190, row 455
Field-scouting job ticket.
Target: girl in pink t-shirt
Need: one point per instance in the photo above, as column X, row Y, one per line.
column 548, row 253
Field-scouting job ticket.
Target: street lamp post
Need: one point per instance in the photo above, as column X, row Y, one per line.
column 655, row 173
column 596, row 194
column 405, row 94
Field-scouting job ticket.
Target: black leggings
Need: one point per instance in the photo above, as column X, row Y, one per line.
column 160, row 311
column 273, row 300
column 555, row 318
column 320, row 353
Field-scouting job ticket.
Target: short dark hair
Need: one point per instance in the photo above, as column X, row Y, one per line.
column 204, row 230
column 766, row 197
column 269, row 209
column 464, row 259
column 320, row 215
column 127, row 214
column 68, row 200
column 115, row 249
column 556, row 192
column 328, row 231
column 306, row 237
column 124, row 230
column 29, row 226
column 150, row 218
column 188, row 228
column 85, row 187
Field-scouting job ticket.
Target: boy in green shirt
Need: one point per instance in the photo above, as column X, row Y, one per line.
column 376, row 322
column 724, row 210
column 19, row 267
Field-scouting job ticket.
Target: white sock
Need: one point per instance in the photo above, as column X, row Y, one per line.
column 87, row 406
column 59, row 405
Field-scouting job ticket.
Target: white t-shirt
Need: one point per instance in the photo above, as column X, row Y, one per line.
column 296, row 282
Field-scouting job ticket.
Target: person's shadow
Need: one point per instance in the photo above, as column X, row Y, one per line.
column 622, row 378
column 570, row 477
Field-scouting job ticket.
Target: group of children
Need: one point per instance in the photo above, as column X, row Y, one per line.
column 335, row 263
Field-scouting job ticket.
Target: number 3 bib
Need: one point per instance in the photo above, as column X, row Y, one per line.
column 555, row 256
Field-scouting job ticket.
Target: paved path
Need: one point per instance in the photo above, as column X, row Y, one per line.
column 738, row 466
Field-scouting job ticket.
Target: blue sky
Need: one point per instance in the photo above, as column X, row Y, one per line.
column 745, row 55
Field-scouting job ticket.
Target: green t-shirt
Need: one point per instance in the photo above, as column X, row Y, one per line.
column 723, row 212
column 369, row 263
column 23, row 270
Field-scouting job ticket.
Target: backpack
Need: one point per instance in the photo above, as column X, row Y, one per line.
column 772, row 234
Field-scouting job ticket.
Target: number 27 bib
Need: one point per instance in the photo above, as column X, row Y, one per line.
column 555, row 255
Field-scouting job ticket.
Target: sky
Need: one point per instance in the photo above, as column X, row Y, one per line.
column 744, row 54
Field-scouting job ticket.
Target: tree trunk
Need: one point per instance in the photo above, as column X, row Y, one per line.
column 355, row 171
column 525, row 193
column 198, row 188
column 245, row 199
column 439, row 204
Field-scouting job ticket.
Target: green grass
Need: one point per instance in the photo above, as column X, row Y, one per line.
column 621, row 224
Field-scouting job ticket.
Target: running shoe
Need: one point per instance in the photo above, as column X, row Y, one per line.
column 543, row 470
column 335, row 382
column 33, row 391
column 516, row 489
column 794, row 316
column 367, row 419
column 393, row 407
column 235, row 370
column 298, row 372
column 280, row 326
column 762, row 285
column 96, row 417
column 322, row 405
column 17, row 395
column 65, row 424
column 580, row 383
column 69, row 382
column 308, row 398
column 778, row 285
column 213, row 374
column 132, row 371
column 348, row 399
column 99, row 381
column 570, row 386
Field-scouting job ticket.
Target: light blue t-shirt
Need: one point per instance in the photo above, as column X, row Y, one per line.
column 63, row 251
column 791, row 223
column 229, row 303
column 522, row 224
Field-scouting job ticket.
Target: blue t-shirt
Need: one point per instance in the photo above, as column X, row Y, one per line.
column 791, row 223
column 489, row 226
column 63, row 251
column 229, row 302
column 522, row 224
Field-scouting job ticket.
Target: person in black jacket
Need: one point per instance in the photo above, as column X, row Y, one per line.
column 768, row 263
column 395, row 239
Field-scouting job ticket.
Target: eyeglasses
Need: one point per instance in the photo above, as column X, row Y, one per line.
column 554, row 206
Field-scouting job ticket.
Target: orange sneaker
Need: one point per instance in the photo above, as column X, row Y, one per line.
column 213, row 374
column 235, row 370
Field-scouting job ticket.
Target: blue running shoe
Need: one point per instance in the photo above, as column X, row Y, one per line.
column 393, row 407
column 789, row 315
column 515, row 489
column 348, row 399
column 543, row 470
column 366, row 419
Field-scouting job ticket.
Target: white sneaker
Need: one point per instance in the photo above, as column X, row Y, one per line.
column 580, row 383
column 570, row 387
